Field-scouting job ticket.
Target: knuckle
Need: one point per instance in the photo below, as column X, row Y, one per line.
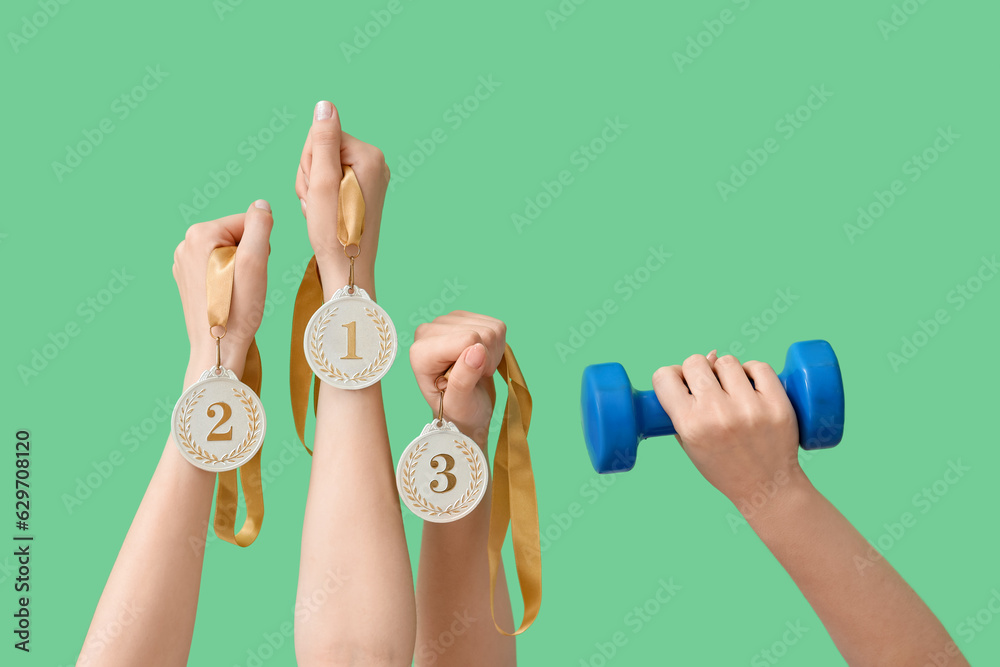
column 727, row 360
column 326, row 134
column 473, row 337
column 419, row 333
column 693, row 359
column 325, row 183
column 376, row 155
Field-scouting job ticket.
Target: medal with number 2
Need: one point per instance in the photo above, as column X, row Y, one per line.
column 218, row 423
column 442, row 475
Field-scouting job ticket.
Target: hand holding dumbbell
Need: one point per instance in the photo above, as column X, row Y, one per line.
column 616, row 417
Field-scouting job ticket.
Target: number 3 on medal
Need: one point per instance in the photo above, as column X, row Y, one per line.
column 352, row 340
column 227, row 412
column 449, row 463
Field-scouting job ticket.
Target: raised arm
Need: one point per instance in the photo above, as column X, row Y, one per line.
column 355, row 602
column 744, row 438
column 455, row 624
column 146, row 613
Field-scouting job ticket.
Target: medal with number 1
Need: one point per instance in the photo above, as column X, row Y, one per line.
column 350, row 342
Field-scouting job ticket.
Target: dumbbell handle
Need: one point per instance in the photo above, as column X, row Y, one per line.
column 652, row 420
column 650, row 417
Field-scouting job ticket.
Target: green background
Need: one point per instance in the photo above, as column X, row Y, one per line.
column 451, row 219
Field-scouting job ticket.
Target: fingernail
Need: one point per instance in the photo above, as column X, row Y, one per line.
column 476, row 356
column 323, row 110
column 303, row 202
column 262, row 204
column 711, row 353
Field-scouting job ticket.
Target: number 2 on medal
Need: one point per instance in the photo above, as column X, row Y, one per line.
column 352, row 340
column 227, row 412
column 449, row 463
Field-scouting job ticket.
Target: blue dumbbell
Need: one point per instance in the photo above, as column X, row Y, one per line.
column 616, row 417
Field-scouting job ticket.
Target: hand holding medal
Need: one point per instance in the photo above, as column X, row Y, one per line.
column 443, row 474
column 218, row 424
column 338, row 331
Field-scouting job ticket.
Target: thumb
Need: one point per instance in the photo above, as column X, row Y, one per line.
column 325, row 171
column 459, row 400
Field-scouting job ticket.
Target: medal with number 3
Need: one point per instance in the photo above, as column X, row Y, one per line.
column 442, row 475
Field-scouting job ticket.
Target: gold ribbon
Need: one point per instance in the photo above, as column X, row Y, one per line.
column 351, row 212
column 514, row 500
column 309, row 298
column 221, row 270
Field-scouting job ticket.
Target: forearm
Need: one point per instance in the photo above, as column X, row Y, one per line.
column 871, row 613
column 147, row 610
column 454, row 620
column 355, row 596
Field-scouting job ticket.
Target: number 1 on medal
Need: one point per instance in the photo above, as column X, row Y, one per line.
column 352, row 340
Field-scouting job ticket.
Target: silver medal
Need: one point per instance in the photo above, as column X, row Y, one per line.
column 442, row 475
column 350, row 342
column 218, row 424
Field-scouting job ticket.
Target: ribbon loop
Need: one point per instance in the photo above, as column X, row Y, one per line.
column 219, row 285
column 351, row 212
column 514, row 501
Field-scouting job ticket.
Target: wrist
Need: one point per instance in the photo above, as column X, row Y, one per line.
column 773, row 499
column 480, row 433
column 200, row 362
column 335, row 275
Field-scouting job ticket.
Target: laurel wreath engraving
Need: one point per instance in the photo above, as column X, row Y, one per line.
column 241, row 450
column 460, row 505
column 371, row 370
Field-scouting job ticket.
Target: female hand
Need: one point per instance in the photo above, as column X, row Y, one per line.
column 250, row 232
